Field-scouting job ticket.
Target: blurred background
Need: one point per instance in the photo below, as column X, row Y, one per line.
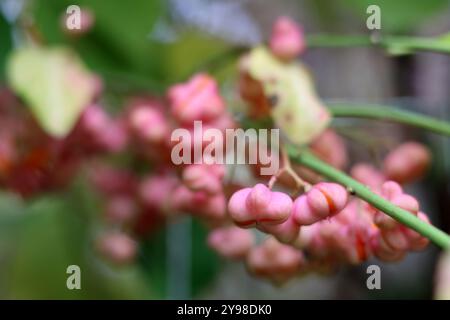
column 142, row 47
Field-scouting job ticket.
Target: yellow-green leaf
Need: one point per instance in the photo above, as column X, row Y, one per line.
column 296, row 109
column 55, row 85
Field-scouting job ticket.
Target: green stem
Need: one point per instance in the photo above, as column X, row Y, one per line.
column 395, row 44
column 331, row 40
column 306, row 159
column 391, row 114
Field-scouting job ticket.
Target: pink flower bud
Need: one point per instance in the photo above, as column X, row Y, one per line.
column 286, row 41
column 407, row 162
column 231, row 242
column 198, row 99
column 322, row 201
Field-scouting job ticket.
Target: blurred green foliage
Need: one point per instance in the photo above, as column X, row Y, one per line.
column 5, row 44
column 40, row 239
column 399, row 16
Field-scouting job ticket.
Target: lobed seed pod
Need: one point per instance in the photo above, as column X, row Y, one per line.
column 407, row 162
column 322, row 201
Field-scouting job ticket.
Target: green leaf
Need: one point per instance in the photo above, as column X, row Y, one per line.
column 6, row 44
column 297, row 109
column 55, row 85
column 119, row 42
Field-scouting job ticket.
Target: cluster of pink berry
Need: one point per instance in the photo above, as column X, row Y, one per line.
column 324, row 227
column 139, row 204
column 31, row 161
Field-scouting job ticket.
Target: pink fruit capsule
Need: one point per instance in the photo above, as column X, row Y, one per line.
column 393, row 192
column 202, row 178
column 149, row 124
column 275, row 261
column 367, row 174
column 331, row 148
column 237, row 208
column 407, row 162
column 286, row 40
column 213, row 208
column 383, row 251
column 259, row 198
column 259, row 205
column 198, row 99
column 120, row 209
column 395, row 239
column 416, row 240
column 118, row 247
column 285, row 232
column 323, row 200
column 231, row 242
column 390, row 189
column 154, row 191
column 278, row 210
